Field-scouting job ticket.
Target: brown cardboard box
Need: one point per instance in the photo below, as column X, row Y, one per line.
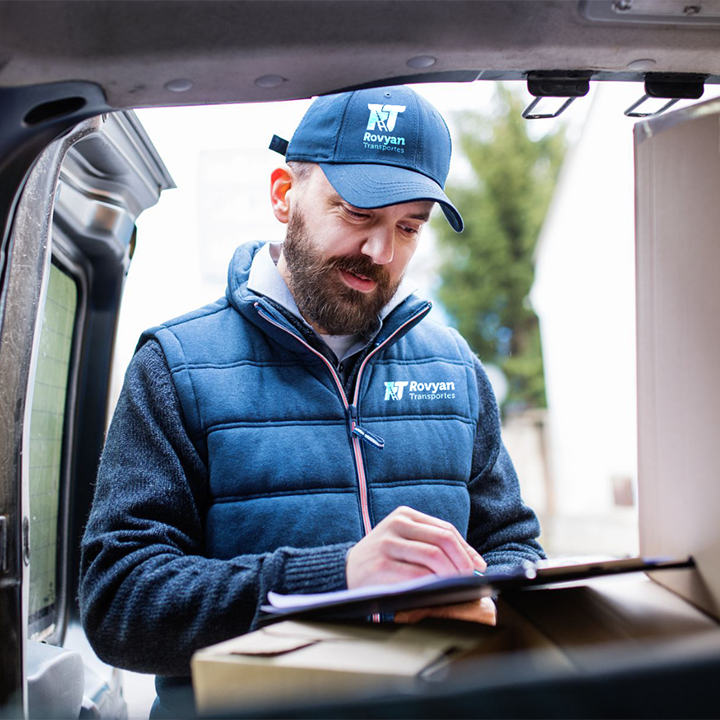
column 678, row 322
column 574, row 628
column 295, row 662
column 302, row 661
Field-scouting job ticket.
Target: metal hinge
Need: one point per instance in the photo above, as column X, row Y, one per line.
column 26, row 540
column 3, row 543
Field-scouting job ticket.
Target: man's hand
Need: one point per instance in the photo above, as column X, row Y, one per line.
column 479, row 611
column 408, row 544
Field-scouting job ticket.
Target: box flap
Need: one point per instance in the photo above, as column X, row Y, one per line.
column 265, row 644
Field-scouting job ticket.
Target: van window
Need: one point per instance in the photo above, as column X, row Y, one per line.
column 46, row 447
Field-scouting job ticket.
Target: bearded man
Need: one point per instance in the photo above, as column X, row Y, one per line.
column 310, row 431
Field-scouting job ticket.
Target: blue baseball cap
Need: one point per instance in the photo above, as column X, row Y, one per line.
column 377, row 147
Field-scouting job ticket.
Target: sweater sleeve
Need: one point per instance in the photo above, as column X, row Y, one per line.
column 148, row 596
column 502, row 527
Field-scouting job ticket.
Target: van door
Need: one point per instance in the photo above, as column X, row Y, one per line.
column 72, row 240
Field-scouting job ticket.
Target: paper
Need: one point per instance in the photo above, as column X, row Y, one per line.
column 283, row 602
column 422, row 592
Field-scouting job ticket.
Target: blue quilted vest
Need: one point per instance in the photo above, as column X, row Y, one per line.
column 292, row 459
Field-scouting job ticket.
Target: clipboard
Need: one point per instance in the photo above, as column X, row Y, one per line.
column 433, row 590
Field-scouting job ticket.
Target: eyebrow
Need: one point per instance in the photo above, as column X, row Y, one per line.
column 337, row 198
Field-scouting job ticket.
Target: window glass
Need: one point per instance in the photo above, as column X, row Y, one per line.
column 46, row 441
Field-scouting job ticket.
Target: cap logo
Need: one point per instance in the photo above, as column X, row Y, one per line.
column 383, row 116
column 383, row 119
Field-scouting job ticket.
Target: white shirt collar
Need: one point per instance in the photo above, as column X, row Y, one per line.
column 265, row 279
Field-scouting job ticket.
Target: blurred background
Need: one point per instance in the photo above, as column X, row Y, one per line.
column 541, row 283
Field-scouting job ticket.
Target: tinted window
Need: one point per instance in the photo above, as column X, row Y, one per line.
column 46, row 443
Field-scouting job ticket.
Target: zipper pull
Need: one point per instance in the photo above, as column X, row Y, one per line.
column 369, row 437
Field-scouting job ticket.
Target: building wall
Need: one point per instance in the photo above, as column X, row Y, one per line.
column 584, row 294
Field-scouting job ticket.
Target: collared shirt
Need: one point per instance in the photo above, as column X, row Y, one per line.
column 265, row 279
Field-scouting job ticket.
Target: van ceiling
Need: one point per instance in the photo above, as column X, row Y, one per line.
column 180, row 52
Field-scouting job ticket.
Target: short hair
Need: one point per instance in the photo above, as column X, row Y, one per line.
column 301, row 170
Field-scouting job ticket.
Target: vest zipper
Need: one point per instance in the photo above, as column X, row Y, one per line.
column 369, row 437
column 355, row 431
column 351, row 410
column 415, row 317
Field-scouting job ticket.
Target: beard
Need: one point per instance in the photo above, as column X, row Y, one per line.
column 323, row 299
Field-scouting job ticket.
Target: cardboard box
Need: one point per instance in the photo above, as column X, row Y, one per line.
column 300, row 661
column 571, row 629
column 678, row 304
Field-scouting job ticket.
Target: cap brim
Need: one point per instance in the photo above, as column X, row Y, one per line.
column 366, row 185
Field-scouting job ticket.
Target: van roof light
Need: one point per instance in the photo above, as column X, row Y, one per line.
column 666, row 86
column 561, row 85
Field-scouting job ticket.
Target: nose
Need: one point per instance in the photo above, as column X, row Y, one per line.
column 379, row 245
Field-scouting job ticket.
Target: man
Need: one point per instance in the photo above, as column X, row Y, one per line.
column 310, row 431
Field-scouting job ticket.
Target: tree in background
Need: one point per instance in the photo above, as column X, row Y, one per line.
column 487, row 271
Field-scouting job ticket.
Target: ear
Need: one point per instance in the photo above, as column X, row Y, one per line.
column 280, row 185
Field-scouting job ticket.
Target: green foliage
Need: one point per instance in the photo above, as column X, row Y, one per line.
column 487, row 271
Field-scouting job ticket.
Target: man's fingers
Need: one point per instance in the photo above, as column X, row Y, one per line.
column 479, row 611
column 406, row 544
column 394, row 571
column 426, row 554
column 477, row 558
column 421, row 517
column 439, row 540
column 426, row 528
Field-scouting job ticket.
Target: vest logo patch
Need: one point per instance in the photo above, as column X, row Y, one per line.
column 419, row 391
column 382, row 120
column 394, row 390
